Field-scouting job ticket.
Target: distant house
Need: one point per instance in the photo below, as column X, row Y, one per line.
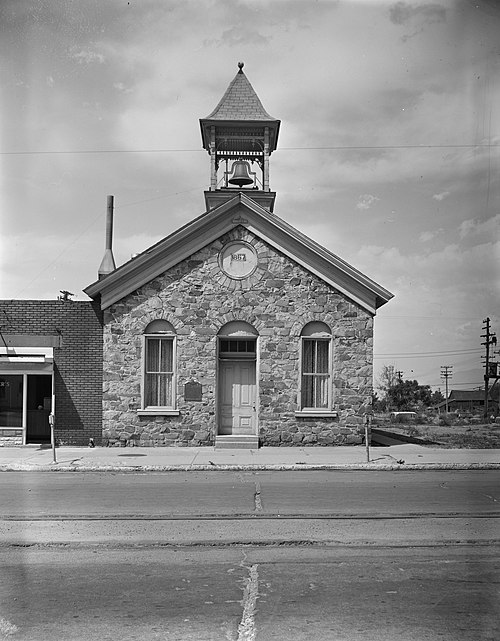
column 467, row 401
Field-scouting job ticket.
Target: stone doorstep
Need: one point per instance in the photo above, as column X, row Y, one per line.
column 244, row 442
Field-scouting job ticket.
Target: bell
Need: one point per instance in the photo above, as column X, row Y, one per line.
column 240, row 173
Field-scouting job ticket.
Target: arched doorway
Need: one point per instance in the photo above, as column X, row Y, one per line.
column 237, row 385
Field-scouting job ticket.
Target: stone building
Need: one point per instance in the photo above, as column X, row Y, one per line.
column 236, row 330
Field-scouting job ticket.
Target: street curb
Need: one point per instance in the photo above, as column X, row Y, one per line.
column 255, row 543
column 362, row 467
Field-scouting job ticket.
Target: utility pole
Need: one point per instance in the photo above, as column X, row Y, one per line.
column 399, row 374
column 491, row 339
column 446, row 373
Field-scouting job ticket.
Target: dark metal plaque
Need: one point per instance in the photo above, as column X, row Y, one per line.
column 192, row 391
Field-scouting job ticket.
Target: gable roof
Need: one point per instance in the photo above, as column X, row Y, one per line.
column 466, row 395
column 240, row 210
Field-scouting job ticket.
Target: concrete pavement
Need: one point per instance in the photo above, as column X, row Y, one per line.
column 164, row 459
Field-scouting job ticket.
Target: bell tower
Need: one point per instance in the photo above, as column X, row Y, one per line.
column 239, row 136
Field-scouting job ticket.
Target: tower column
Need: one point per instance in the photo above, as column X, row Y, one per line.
column 265, row 173
column 213, row 160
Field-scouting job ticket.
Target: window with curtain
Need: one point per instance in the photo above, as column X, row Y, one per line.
column 315, row 367
column 159, row 374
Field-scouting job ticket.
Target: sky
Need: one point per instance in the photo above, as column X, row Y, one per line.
column 388, row 155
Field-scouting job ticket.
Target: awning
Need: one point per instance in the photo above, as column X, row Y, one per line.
column 26, row 359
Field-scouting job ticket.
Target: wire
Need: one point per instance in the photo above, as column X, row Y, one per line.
column 458, row 385
column 163, row 151
column 148, row 200
column 381, row 317
column 427, row 354
column 64, row 250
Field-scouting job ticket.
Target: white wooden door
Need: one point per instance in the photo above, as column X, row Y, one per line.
column 237, row 397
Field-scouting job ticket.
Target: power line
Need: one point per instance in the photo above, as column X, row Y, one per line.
column 413, row 316
column 168, row 151
column 475, row 385
column 463, row 352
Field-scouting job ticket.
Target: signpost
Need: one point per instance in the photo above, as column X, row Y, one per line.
column 52, row 436
column 368, row 435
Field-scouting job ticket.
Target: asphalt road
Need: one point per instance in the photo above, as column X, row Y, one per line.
column 243, row 594
column 250, row 556
column 230, row 494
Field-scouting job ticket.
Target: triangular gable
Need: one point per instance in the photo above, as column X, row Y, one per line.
column 208, row 227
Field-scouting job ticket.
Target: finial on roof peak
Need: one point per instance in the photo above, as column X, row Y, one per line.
column 241, row 65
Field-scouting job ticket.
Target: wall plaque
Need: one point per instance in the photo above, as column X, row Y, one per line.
column 238, row 259
column 192, row 391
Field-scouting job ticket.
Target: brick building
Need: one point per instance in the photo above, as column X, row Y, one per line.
column 236, row 330
column 50, row 360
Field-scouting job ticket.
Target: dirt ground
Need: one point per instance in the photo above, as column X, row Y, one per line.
column 482, row 436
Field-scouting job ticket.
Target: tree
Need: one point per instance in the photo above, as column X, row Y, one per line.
column 409, row 395
column 437, row 397
column 387, row 378
column 378, row 404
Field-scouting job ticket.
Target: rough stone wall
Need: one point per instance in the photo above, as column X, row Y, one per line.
column 11, row 438
column 278, row 299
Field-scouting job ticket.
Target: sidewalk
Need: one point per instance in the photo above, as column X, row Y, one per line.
column 164, row 459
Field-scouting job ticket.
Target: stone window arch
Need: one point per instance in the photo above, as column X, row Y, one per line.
column 238, row 339
column 159, row 326
column 159, row 368
column 315, row 393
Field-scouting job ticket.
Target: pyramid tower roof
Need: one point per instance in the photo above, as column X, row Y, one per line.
column 238, row 109
column 240, row 102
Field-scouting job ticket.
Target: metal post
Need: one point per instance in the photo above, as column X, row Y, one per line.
column 368, row 433
column 52, row 436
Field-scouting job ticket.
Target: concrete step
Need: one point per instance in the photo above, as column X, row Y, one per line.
column 237, row 442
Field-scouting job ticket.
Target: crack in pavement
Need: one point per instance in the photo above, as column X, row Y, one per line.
column 246, row 628
column 257, row 497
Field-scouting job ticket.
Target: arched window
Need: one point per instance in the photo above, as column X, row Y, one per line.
column 316, row 369
column 159, row 366
column 238, row 339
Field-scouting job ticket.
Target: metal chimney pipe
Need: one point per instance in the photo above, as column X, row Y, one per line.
column 108, row 262
column 109, row 223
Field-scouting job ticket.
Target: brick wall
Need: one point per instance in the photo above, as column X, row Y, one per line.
column 77, row 363
column 278, row 299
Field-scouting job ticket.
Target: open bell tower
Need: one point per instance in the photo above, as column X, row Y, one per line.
column 239, row 136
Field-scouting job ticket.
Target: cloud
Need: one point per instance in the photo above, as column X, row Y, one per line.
column 441, row 196
column 86, row 56
column 236, row 36
column 402, row 13
column 406, row 272
column 426, row 236
column 488, row 228
column 365, row 201
column 417, row 17
column 121, row 87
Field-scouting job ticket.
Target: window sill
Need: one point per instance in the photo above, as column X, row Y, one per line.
column 158, row 412
column 316, row 414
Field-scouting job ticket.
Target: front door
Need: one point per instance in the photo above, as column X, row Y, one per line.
column 237, row 397
column 39, row 400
